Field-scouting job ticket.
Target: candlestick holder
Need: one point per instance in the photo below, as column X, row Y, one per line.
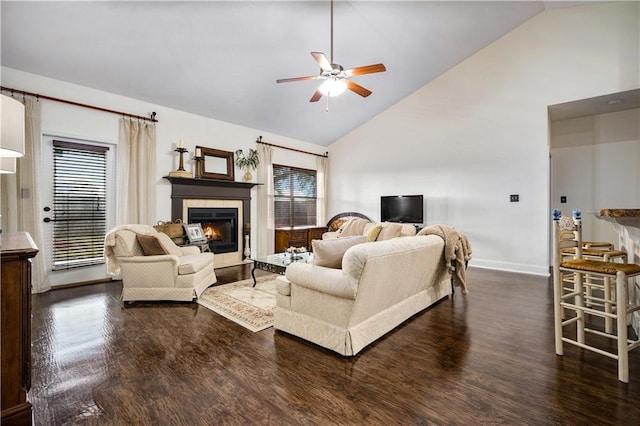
column 247, row 249
column 199, row 165
column 181, row 172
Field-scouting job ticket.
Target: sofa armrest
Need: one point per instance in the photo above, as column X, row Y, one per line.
column 324, row 280
column 168, row 259
column 157, row 271
column 150, row 259
column 189, row 250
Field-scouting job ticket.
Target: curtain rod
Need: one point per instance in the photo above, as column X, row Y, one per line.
column 64, row 101
column 259, row 140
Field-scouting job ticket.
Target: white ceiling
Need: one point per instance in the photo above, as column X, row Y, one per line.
column 220, row 59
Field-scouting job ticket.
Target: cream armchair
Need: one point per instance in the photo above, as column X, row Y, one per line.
column 152, row 267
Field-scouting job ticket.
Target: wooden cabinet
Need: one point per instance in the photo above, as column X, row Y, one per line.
column 315, row 234
column 16, row 251
column 297, row 237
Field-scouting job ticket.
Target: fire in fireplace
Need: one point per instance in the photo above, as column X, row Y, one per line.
column 220, row 226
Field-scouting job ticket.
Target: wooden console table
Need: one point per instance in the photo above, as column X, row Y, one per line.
column 297, row 237
column 16, row 251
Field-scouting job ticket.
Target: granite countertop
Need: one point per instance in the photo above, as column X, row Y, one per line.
column 620, row 212
column 624, row 217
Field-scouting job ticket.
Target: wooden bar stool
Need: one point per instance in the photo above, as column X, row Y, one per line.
column 573, row 299
column 598, row 245
column 604, row 252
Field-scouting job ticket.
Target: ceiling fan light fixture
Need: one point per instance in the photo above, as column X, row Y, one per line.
column 333, row 87
column 336, row 78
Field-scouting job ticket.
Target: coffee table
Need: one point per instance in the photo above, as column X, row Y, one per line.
column 277, row 263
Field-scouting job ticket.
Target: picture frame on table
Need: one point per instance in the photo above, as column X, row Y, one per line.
column 194, row 233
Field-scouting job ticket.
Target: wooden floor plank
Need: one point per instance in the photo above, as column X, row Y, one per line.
column 487, row 357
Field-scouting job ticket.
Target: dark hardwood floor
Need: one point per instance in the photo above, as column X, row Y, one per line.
column 484, row 358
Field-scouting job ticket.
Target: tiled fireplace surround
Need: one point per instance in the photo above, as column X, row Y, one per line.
column 211, row 193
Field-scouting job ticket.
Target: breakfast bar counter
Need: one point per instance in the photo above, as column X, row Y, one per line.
column 626, row 223
column 623, row 217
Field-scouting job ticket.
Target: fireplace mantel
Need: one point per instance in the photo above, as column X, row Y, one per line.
column 209, row 189
column 210, row 182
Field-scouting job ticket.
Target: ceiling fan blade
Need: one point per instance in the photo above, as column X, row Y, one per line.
column 287, row 80
column 367, row 69
column 322, row 61
column 356, row 88
column 316, row 96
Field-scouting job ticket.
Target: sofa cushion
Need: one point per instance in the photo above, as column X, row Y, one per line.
column 283, row 286
column 353, row 227
column 194, row 263
column 150, row 245
column 329, row 253
column 393, row 230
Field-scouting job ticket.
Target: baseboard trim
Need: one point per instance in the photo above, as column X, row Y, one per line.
column 542, row 271
column 82, row 283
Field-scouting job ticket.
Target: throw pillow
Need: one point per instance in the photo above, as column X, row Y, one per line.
column 336, row 225
column 372, row 233
column 169, row 246
column 329, row 253
column 353, row 227
column 389, row 231
column 150, row 245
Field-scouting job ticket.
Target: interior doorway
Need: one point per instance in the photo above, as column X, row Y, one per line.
column 594, row 149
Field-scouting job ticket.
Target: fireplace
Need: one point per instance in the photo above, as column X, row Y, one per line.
column 209, row 193
column 220, row 226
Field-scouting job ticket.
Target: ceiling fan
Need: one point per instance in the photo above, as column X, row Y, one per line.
column 336, row 78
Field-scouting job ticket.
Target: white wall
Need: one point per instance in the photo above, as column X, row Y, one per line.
column 595, row 164
column 479, row 132
column 60, row 119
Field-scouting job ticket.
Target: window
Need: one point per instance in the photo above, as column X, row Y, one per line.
column 295, row 193
column 79, row 204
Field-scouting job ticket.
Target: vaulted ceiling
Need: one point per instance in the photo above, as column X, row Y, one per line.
column 220, row 59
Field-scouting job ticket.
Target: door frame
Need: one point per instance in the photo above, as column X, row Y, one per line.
column 85, row 273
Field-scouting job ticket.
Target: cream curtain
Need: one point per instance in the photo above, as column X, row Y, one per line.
column 266, row 217
column 322, row 168
column 136, row 173
column 21, row 195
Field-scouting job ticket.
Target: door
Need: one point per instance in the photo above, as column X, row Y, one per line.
column 78, row 207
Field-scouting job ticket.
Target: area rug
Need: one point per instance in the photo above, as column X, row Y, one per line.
column 251, row 307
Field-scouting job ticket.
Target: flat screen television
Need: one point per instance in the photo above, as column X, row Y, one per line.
column 402, row 208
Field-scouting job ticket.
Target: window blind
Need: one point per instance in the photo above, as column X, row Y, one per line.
column 79, row 204
column 295, row 195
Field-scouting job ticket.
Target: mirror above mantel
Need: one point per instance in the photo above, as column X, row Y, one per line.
column 216, row 164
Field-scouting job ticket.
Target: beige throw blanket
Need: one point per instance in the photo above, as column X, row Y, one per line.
column 456, row 249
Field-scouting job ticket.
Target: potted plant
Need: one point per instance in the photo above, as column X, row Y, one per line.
column 247, row 162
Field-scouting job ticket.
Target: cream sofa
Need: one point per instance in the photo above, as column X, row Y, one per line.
column 381, row 284
column 356, row 226
column 181, row 274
